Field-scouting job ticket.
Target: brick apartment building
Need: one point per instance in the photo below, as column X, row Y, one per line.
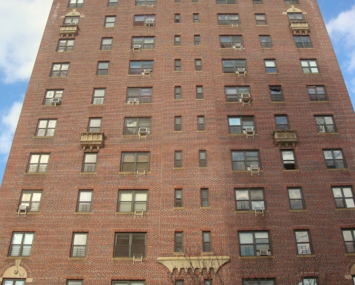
column 182, row 142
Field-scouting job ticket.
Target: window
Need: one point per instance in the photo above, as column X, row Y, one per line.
column 89, row 164
column 208, row 282
column 276, row 93
column 317, row 93
column 132, row 125
column 38, row 163
column 226, row 2
column 294, row 17
column 249, row 199
column 102, row 68
column 179, row 244
column 288, row 159
column 281, row 123
column 334, row 158
column 178, row 158
column 196, row 18
column 205, row 198
column 296, row 198
column 128, row 283
column 59, row 69
column 21, row 244
column 251, row 243
column 178, row 198
column 142, row 95
column 202, row 158
column 144, row 20
column 112, row 3
column 98, row 96
column 201, row 123
column 177, row 18
column 14, row 281
column 257, row 2
column 233, row 93
column 228, row 19
column 110, row 21
column 137, row 67
column 206, row 241
column 260, row 19
column 145, row 2
column 237, row 125
column 135, row 161
column 75, row 3
column 263, row 281
column 94, row 125
column 177, row 93
column 74, row 282
column 177, row 65
column 177, row 1
column 129, row 245
column 303, row 41
column 349, row 239
column 177, row 41
column 197, row 40
column 131, row 201
column 344, row 197
column 289, row 2
column 106, row 44
column 325, row 124
column 46, row 128
column 309, row 281
column 84, row 201
column 270, row 66
column 230, row 41
column 309, row 66
column 65, row 45
column 241, row 160
column 265, row 41
column 179, row 282
column 144, row 42
column 78, row 246
column 177, row 124
column 232, row 65
column 50, row 94
column 198, row 64
column 31, row 199
column 303, row 242
column 199, row 92
column 71, row 20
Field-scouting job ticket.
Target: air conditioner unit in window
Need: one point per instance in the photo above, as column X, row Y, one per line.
column 263, row 252
column 238, row 46
column 22, row 209
column 138, row 213
column 146, row 72
column 137, row 257
column 259, row 210
column 241, row 71
column 143, row 133
column 249, row 131
column 149, row 22
column 254, row 169
column 133, row 101
column 56, row 101
column 234, row 25
column 136, row 48
column 245, row 98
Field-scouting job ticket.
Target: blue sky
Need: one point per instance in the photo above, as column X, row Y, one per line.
column 20, row 41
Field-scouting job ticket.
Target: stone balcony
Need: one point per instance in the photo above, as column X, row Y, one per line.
column 92, row 141
column 285, row 138
column 299, row 27
column 68, row 30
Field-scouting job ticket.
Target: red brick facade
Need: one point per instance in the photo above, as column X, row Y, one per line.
column 55, row 223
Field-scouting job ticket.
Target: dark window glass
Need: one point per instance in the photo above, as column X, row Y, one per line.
column 252, row 243
column 196, row 18
column 199, row 92
column 94, row 125
column 130, row 245
column 110, row 21
column 144, row 20
column 98, row 96
column 145, row 2
column 325, row 124
column 334, row 158
column 349, row 239
column 74, row 282
column 59, row 70
column 289, row 2
column 139, row 67
column 177, row 18
column 288, row 159
column 112, row 3
column 296, row 198
column 31, row 199
column 260, row 19
column 197, row 40
column 106, row 44
column 257, row 2
column 303, row 242
column 270, row 66
column 133, row 200
column 21, row 244
column 46, row 128
column 343, row 196
column 265, row 41
column 276, row 93
column 177, row 41
column 233, row 65
column 226, row 2
column 128, row 282
column 178, row 158
column 89, row 164
column 71, row 20
column 198, row 64
column 242, row 160
column 238, row 125
column 249, row 199
column 140, row 95
column 78, row 247
column 303, row 41
column 75, row 4
column 178, row 198
column 143, row 42
column 233, row 93
column 201, row 123
column 205, row 198
column 281, row 123
column 179, row 244
column 317, row 93
column 132, row 126
column 177, row 65
column 65, row 45
column 309, row 66
column 84, row 201
column 309, row 281
column 50, row 95
column 206, row 241
column 294, row 17
column 177, row 124
column 228, row 19
column 177, row 92
column 135, row 162
column 202, row 158
column 102, row 68
column 262, row 281
column 38, row 163
column 231, row 41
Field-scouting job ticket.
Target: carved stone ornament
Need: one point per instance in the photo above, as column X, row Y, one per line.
column 15, row 272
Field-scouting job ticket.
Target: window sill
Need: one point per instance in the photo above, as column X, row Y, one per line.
column 338, row 169
column 88, row 173
column 32, row 213
column 201, row 131
column 256, row 257
column 136, row 75
column 128, row 213
column 138, row 104
column 230, row 26
column 97, row 104
column 124, row 258
column 207, row 253
column 202, row 167
column 132, row 173
column 205, row 208
column 59, row 52
column 262, row 25
column 249, row 212
column 306, row 255
column 77, row 258
column 311, row 73
column 277, row 102
column 297, row 211
column 316, row 102
column 18, row 257
column 199, row 99
column 178, row 208
column 245, row 171
column 52, row 105
column 108, row 27
column 350, row 254
column 344, row 209
column 35, row 137
column 239, row 135
column 290, row 170
column 275, row 73
column 177, row 71
column 35, row 173
column 304, row 48
column 105, row 50
column 266, row 48
column 82, row 213
column 178, row 168
column 322, row 134
column 57, row 77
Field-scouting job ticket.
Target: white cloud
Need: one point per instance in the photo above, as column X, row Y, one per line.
column 342, row 32
column 22, row 23
column 8, row 123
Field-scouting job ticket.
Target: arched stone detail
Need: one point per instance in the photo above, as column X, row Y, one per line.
column 352, row 270
column 16, row 272
column 294, row 10
column 73, row 13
